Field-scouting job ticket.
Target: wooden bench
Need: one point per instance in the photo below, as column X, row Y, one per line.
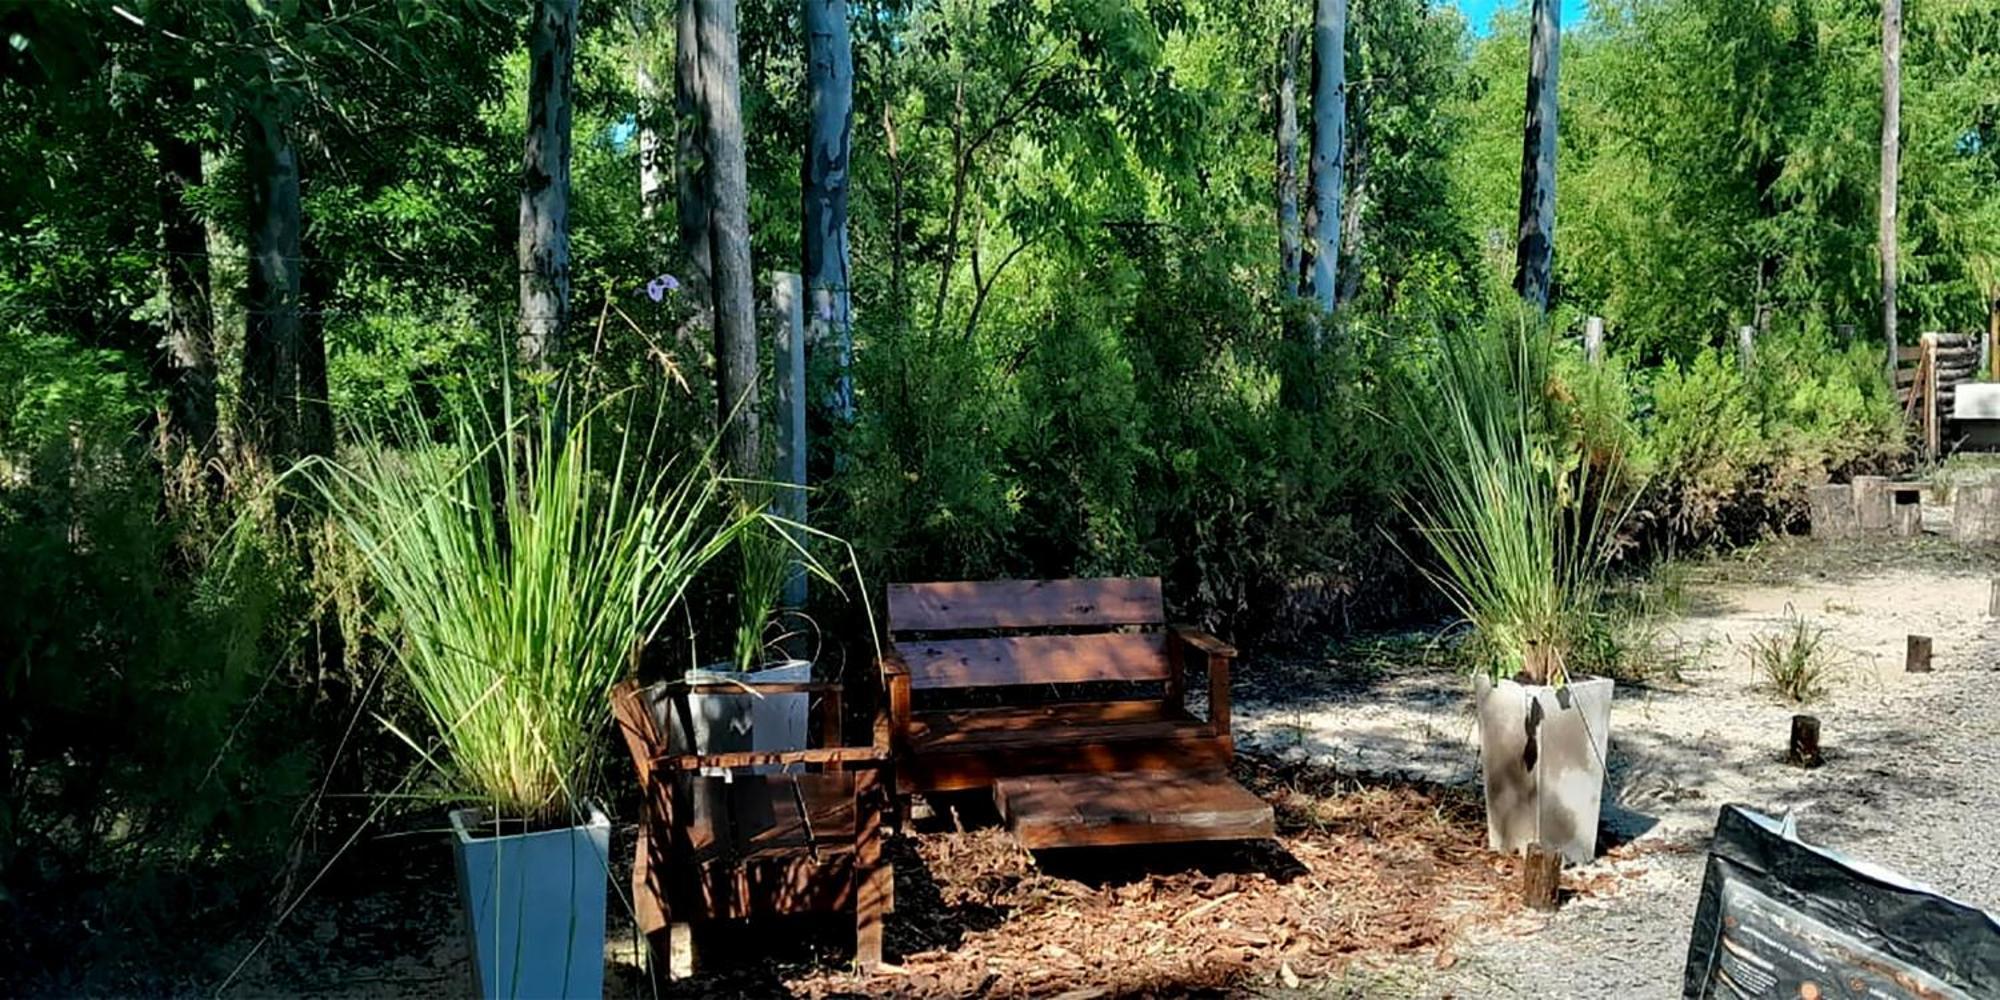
column 783, row 832
column 1159, row 773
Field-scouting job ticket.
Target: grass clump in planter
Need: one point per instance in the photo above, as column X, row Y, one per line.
column 519, row 557
column 1519, row 519
column 1796, row 662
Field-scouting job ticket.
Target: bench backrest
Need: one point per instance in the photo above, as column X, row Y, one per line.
column 923, row 618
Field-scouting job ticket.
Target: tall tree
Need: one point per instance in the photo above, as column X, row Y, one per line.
column 690, row 152
column 189, row 347
column 1892, row 124
column 1287, row 175
column 823, row 182
column 543, row 246
column 728, row 191
column 1329, row 144
column 650, row 85
column 1535, row 246
column 272, row 332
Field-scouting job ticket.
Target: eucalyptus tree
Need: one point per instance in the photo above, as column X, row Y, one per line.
column 1892, row 139
column 543, row 247
column 1329, row 146
column 824, row 181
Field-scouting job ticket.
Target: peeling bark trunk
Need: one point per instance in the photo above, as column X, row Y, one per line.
column 271, row 329
column 651, row 121
column 729, row 238
column 1535, row 249
column 824, row 180
column 188, row 350
column 690, row 156
column 543, row 247
column 1329, row 145
column 1892, row 123
column 1356, row 205
column 1289, row 234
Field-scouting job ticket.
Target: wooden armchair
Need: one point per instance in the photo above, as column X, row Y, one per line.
column 782, row 833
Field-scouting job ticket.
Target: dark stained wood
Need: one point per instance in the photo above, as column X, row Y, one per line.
column 1129, row 807
column 1034, row 659
column 1803, row 750
column 1541, row 877
column 713, row 848
column 1179, row 762
column 1918, row 659
column 1002, row 604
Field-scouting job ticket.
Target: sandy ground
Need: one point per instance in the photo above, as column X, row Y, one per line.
column 1908, row 781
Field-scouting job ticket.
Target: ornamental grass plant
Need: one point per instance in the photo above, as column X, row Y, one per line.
column 519, row 558
column 1520, row 525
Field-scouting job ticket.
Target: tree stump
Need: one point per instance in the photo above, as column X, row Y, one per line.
column 1919, row 659
column 1993, row 601
column 1872, row 504
column 1975, row 514
column 1908, row 520
column 1832, row 511
column 1804, row 749
column 1541, row 877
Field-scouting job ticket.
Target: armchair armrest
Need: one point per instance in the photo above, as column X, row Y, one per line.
column 847, row 756
column 1217, row 655
column 895, row 721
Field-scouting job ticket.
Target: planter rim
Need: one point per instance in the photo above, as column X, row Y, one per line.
column 466, row 820
column 725, row 670
column 1575, row 681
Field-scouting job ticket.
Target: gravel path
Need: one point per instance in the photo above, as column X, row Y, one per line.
column 1909, row 780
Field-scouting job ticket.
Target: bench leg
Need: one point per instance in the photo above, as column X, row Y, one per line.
column 680, row 951
column 875, row 883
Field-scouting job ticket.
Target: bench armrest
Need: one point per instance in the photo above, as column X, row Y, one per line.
column 845, row 756
column 894, row 723
column 1216, row 655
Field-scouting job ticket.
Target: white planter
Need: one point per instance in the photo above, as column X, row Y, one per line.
column 1541, row 754
column 534, row 906
column 722, row 722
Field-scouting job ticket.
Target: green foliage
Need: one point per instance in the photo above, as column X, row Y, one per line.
column 517, row 578
column 1520, row 523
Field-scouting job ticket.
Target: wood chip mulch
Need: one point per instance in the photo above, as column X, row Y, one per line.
column 1361, row 871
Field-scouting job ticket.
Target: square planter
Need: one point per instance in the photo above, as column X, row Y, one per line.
column 1541, row 754
column 534, row 905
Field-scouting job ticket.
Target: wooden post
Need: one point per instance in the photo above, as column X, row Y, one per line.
column 1746, row 347
column 1593, row 340
column 1804, row 748
column 789, row 371
column 1541, row 877
column 1993, row 601
column 1993, row 341
column 1918, row 660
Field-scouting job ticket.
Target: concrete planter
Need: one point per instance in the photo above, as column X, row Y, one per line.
column 1541, row 753
column 534, row 905
column 731, row 719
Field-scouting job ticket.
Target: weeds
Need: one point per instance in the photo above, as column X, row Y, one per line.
column 1795, row 662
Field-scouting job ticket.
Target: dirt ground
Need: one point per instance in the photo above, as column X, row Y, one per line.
column 1379, row 884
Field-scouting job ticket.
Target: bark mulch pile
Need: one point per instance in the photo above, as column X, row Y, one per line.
column 1361, row 871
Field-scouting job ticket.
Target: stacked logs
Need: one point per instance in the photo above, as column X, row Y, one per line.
column 1957, row 358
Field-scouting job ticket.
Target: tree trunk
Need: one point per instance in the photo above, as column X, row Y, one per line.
column 271, row 330
column 1535, row 249
column 1289, row 234
column 1356, row 202
column 823, row 180
column 189, row 345
column 690, row 154
column 650, row 85
column 1329, row 144
column 1892, row 123
column 543, row 248
column 729, row 238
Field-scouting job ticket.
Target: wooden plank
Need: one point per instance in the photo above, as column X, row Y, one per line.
column 1912, row 352
column 1130, row 807
column 997, row 604
column 980, row 767
column 960, row 725
column 1039, row 659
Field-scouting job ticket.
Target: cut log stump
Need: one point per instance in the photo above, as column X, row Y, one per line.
column 1804, row 749
column 1541, row 877
column 1918, row 660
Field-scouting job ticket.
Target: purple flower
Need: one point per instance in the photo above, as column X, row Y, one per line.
column 658, row 288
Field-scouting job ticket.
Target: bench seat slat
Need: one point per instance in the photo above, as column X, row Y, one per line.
column 1040, row 659
column 1005, row 604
